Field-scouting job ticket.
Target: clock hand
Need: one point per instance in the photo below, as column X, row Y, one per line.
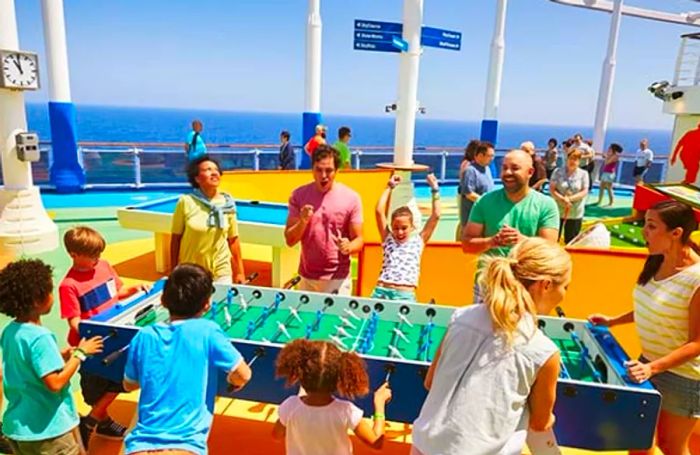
column 18, row 65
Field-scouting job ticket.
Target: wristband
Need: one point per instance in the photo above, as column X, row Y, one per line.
column 378, row 416
column 79, row 354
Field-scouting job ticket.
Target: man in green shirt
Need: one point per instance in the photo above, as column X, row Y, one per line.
column 503, row 217
column 341, row 145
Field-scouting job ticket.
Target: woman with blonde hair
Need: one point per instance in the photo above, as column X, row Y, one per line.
column 494, row 376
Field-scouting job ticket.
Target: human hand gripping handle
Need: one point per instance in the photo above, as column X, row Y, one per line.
column 600, row 319
column 382, row 395
column 638, row 371
column 90, row 346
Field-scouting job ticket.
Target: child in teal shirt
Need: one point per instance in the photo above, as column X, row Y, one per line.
column 41, row 416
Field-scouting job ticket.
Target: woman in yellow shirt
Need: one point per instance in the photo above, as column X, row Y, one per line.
column 205, row 228
column 667, row 317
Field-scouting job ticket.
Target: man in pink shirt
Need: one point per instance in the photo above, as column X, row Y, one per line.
column 327, row 218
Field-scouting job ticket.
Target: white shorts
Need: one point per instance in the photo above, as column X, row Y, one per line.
column 343, row 286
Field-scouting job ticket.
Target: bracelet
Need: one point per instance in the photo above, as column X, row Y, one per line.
column 378, row 416
column 79, row 354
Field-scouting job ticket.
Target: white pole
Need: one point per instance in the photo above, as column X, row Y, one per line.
column 607, row 80
column 408, row 84
column 498, row 47
column 16, row 174
column 56, row 50
column 312, row 87
column 25, row 227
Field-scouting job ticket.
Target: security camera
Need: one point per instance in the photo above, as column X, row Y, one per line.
column 663, row 90
column 390, row 108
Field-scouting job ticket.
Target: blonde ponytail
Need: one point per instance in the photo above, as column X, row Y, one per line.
column 506, row 280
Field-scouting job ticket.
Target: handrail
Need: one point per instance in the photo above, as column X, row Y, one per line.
column 144, row 164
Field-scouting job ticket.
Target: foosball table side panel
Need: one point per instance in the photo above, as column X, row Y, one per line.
column 604, row 417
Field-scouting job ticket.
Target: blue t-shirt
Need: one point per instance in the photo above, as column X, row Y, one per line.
column 33, row 413
column 199, row 149
column 177, row 366
column 476, row 179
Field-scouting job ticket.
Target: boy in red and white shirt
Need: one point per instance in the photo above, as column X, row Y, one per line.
column 90, row 287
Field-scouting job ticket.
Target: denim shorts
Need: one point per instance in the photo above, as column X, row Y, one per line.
column 679, row 395
column 393, row 294
column 607, row 177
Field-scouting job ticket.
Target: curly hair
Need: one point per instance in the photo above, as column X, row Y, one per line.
column 193, row 169
column 24, row 285
column 321, row 367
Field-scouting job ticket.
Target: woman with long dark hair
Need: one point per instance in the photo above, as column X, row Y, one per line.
column 667, row 315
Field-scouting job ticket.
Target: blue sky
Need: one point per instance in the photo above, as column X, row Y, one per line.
column 249, row 55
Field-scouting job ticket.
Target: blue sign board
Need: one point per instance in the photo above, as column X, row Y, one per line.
column 378, row 46
column 386, row 37
column 443, row 39
column 377, row 36
column 376, row 26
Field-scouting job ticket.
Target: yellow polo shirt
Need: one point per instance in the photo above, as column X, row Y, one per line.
column 201, row 244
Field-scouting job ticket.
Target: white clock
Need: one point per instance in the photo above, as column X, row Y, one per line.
column 19, row 70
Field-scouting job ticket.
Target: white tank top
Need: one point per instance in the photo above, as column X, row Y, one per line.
column 478, row 398
column 402, row 260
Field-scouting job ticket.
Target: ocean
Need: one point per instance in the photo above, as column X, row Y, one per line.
column 125, row 124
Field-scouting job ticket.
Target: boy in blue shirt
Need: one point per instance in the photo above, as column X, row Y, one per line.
column 176, row 365
column 41, row 417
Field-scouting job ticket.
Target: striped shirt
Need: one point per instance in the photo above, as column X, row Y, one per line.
column 661, row 314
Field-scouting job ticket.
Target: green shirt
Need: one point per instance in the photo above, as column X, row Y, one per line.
column 201, row 244
column 33, row 413
column 344, row 151
column 494, row 210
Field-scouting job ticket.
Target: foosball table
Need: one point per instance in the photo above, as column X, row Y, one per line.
column 597, row 406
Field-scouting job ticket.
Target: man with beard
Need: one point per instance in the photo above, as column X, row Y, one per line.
column 326, row 217
column 503, row 217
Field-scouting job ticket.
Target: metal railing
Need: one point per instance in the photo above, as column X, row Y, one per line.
column 687, row 71
column 110, row 165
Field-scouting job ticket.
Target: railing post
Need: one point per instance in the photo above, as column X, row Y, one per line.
column 137, row 166
column 256, row 159
column 443, row 166
column 357, row 154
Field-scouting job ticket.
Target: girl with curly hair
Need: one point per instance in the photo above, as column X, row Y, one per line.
column 317, row 422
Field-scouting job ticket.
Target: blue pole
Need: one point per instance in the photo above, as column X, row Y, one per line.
column 66, row 173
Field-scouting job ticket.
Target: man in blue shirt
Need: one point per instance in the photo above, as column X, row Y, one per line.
column 477, row 180
column 194, row 147
column 177, row 365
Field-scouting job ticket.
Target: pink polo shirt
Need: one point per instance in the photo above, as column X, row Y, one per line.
column 339, row 208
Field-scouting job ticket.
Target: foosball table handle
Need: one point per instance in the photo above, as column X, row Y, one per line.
column 109, row 359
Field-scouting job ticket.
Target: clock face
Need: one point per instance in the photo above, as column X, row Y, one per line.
column 20, row 71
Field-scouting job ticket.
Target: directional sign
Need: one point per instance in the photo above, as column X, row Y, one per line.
column 377, row 36
column 443, row 39
column 386, row 37
column 376, row 26
column 378, row 46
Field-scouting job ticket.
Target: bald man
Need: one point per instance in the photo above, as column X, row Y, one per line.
column 503, row 217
